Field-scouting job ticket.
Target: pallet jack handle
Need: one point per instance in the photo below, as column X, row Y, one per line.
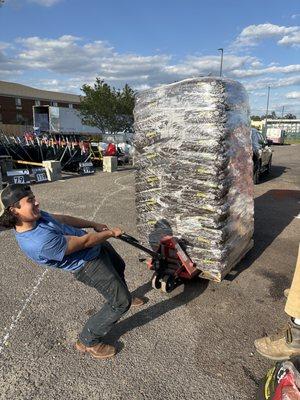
column 135, row 243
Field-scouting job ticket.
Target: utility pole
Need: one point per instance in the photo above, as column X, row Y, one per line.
column 266, row 121
column 221, row 66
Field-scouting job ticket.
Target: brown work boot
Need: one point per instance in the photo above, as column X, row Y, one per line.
column 101, row 350
column 137, row 302
column 281, row 346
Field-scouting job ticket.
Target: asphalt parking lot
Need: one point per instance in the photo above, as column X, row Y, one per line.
column 196, row 343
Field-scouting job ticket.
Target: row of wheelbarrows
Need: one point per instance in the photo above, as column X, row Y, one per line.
column 30, row 158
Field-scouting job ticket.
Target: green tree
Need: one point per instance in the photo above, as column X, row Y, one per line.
column 290, row 116
column 106, row 108
column 270, row 116
column 255, row 118
column 126, row 99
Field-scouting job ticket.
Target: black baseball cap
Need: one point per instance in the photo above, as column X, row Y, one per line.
column 12, row 194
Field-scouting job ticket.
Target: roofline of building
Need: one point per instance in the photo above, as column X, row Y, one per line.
column 11, row 89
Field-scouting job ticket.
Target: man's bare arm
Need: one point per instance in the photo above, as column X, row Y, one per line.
column 77, row 243
column 77, row 222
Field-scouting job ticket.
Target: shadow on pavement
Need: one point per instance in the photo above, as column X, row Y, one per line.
column 276, row 171
column 273, row 212
column 189, row 291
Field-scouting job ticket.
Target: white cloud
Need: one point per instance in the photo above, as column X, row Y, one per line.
column 291, row 40
column 8, row 67
column 253, row 34
column 294, row 16
column 258, row 94
column 256, row 64
column 247, row 73
column 69, row 55
column 45, row 3
column 293, row 95
column 205, row 65
column 273, row 82
column 67, row 62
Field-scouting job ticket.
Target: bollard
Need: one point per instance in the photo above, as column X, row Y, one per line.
column 110, row 164
column 53, row 170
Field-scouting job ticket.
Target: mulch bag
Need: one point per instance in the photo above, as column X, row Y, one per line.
column 281, row 382
column 194, row 170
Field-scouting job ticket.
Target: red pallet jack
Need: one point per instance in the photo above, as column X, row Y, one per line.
column 170, row 263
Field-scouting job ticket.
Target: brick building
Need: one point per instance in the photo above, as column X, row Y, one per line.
column 16, row 102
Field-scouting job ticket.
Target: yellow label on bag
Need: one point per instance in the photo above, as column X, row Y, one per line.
column 151, row 179
column 151, row 202
column 202, row 239
column 151, row 222
column 201, row 194
column 206, row 261
column 202, row 171
column 151, row 134
column 151, row 155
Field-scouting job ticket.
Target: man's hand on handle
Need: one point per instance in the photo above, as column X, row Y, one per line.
column 116, row 232
column 100, row 227
column 91, row 239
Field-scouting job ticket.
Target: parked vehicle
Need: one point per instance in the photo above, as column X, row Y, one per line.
column 262, row 155
column 63, row 120
column 277, row 135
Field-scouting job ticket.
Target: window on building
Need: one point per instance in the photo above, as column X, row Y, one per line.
column 70, row 105
column 54, row 103
column 37, row 102
column 18, row 102
column 20, row 118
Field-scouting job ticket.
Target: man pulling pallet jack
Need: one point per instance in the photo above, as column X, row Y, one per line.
column 59, row 241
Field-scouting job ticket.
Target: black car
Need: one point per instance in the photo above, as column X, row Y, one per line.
column 262, row 155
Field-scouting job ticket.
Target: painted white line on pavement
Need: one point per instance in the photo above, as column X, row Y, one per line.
column 4, row 340
column 116, row 182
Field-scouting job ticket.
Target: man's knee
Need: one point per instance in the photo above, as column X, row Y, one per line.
column 123, row 302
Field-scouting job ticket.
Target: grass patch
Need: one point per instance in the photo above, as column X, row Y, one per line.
column 292, row 141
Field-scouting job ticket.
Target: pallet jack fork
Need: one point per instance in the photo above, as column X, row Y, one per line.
column 170, row 263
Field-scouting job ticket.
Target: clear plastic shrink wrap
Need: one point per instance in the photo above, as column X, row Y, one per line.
column 194, row 170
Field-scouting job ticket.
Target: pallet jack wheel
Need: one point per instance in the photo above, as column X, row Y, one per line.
column 167, row 283
column 156, row 284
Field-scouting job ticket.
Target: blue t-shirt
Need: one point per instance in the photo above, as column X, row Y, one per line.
column 46, row 244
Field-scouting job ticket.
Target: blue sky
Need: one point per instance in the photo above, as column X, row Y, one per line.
column 61, row 44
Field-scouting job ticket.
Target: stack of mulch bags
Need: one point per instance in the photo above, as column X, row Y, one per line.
column 194, row 170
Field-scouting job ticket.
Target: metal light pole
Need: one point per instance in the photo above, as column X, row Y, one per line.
column 221, row 66
column 282, row 112
column 266, row 122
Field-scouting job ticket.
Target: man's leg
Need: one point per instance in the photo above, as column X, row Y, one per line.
column 116, row 260
column 292, row 307
column 286, row 344
column 119, row 265
column 101, row 275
